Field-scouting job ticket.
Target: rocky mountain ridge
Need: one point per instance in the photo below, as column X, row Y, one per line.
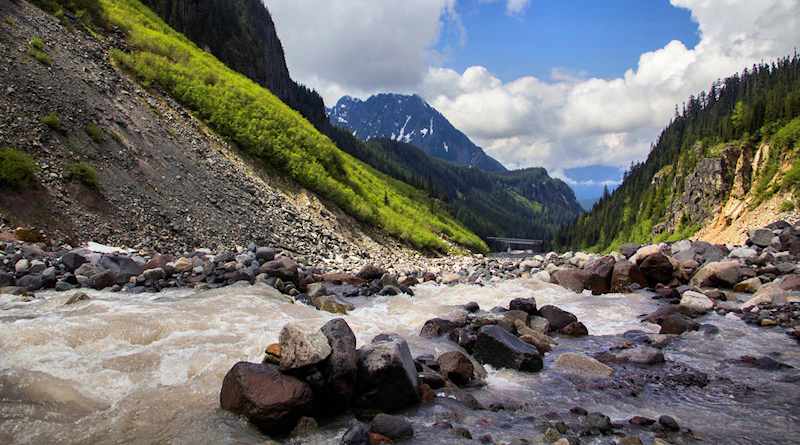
column 167, row 183
column 411, row 120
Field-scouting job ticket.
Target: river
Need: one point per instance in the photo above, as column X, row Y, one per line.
column 147, row 368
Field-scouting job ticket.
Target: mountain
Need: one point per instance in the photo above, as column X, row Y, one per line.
column 729, row 161
column 129, row 133
column 411, row 120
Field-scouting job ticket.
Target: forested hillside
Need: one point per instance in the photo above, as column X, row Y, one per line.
column 521, row 204
column 738, row 141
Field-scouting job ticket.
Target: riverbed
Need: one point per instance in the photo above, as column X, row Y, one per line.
column 147, row 368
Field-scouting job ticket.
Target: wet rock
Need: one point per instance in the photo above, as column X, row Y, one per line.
column 78, row 296
column 575, row 280
column 332, row 304
column 575, row 329
column 694, row 303
column 528, row 305
column 123, row 266
column 438, row 326
column 629, row 440
column 641, row 421
column 300, row 347
column 273, row 354
column 677, row 324
column 387, row 378
column 32, row 282
column 357, row 434
column 496, row 347
column 598, row 422
column 339, row 370
column 515, row 315
column 315, row 290
column 272, row 401
column 393, row 427
column 370, row 272
column 640, row 355
column 472, row 307
column 669, row 423
column 601, row 272
column 464, row 338
column 7, row 279
column 539, row 324
column 557, row 317
column 456, row 367
column 574, row 363
column 283, row 268
column 625, row 274
column 657, row 268
column 464, row 432
column 104, row 279
column 462, row 396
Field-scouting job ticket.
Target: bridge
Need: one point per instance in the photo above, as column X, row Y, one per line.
column 517, row 241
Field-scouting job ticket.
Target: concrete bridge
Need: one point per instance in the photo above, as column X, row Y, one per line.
column 517, row 241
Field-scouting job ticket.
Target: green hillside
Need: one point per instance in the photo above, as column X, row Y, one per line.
column 743, row 111
column 275, row 136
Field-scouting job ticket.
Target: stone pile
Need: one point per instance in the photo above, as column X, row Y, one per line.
column 319, row 373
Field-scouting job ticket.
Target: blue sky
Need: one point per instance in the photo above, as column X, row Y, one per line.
column 597, row 38
column 582, row 88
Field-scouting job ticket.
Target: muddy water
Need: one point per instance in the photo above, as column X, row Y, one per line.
column 148, row 368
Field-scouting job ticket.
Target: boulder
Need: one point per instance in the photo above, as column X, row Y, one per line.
column 265, row 253
column 657, row 268
column 598, row 422
column 557, row 317
column 301, row 347
column 524, row 304
column 394, row 427
column 456, row 367
column 339, row 370
column 182, row 265
column 625, row 274
column 357, row 434
column 332, row 304
column 124, row 267
column 574, row 363
column 104, row 279
column 156, row 261
column 790, row 283
column 575, row 280
column 677, row 324
column 315, row 290
column 387, row 378
column 539, row 324
column 575, row 329
column 750, row 285
column 343, row 278
column 760, row 237
column 32, row 282
column 272, row 401
column 438, row 326
column 496, row 347
column 629, row 249
column 73, row 260
column 694, row 303
column 370, row 272
column 514, row 315
column 7, row 279
column 601, row 272
column 283, row 268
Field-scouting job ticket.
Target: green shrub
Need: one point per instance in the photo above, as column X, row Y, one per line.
column 36, row 43
column 786, row 206
column 84, row 173
column 51, row 120
column 16, row 169
column 95, row 133
column 116, row 137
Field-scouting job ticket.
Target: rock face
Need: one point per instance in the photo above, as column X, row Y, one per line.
column 495, row 346
column 272, row 401
column 387, row 377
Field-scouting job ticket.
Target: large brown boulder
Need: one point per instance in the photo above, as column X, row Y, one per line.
column 339, row 370
column 557, row 317
column 626, row 273
column 272, row 401
column 456, row 367
column 575, row 280
column 657, row 268
column 600, row 274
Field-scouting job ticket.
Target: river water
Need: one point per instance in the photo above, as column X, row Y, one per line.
column 148, row 368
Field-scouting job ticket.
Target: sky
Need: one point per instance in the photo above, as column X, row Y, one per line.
column 580, row 87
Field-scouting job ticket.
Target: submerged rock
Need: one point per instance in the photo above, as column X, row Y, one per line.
column 574, row 363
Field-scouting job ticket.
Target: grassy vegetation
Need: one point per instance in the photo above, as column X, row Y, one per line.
column 278, row 137
column 51, row 120
column 84, row 173
column 35, row 50
column 95, row 133
column 16, row 169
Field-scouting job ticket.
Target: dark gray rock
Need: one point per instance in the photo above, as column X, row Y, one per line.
column 72, row 260
column 656, row 268
column 462, row 396
column 760, row 237
column 283, row 268
column 557, row 317
column 393, row 427
column 122, row 265
column 104, row 279
column 357, row 434
column 497, row 347
column 677, row 324
column 370, row 272
column 628, row 249
column 599, row 422
column 301, row 347
column 669, row 423
column 387, row 378
column 527, row 305
column 272, row 401
column 339, row 370
column 265, row 253
column 438, row 326
column 7, row 279
column 32, row 282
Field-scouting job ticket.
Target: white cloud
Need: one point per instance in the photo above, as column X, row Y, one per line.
column 360, row 47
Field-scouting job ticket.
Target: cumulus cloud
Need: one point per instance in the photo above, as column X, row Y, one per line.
column 361, row 47
column 572, row 121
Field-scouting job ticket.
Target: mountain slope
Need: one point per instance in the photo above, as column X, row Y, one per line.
column 411, row 120
column 272, row 137
column 519, row 204
column 727, row 152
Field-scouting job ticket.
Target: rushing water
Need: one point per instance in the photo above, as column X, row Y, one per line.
column 147, row 368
